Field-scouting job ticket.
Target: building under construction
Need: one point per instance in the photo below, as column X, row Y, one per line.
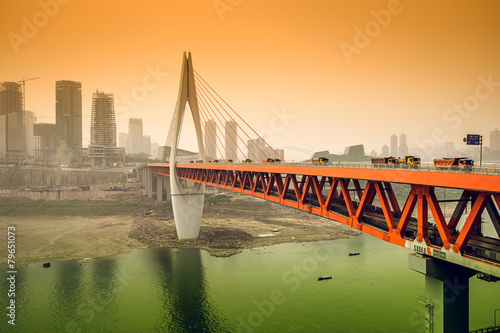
column 69, row 121
column 16, row 124
column 103, row 151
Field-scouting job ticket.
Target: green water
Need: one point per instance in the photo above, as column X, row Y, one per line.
column 272, row 289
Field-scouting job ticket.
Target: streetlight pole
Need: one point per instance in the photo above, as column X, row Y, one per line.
column 481, row 151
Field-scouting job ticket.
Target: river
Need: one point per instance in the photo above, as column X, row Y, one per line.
column 271, row 289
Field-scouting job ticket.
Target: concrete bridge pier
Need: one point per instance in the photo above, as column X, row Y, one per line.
column 166, row 185
column 159, row 188
column 162, row 182
column 446, row 294
column 149, row 182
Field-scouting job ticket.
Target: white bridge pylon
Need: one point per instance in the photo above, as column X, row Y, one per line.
column 187, row 206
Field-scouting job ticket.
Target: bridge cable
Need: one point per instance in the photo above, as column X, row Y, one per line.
column 198, row 75
column 205, row 98
column 252, row 140
column 202, row 88
column 203, row 107
column 209, row 136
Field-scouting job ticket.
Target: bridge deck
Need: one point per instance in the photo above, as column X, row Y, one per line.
column 325, row 190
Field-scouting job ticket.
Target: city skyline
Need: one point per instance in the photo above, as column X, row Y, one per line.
column 283, row 65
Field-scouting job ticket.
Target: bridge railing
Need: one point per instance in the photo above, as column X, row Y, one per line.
column 486, row 170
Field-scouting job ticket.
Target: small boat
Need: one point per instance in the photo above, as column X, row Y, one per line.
column 47, row 264
column 355, row 253
column 328, row 277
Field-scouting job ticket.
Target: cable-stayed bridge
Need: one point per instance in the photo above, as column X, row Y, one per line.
column 447, row 250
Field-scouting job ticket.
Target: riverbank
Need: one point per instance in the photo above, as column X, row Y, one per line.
column 76, row 230
column 234, row 222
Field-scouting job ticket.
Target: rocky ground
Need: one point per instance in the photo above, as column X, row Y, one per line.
column 233, row 222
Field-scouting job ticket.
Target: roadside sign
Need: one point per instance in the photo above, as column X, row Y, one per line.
column 473, row 139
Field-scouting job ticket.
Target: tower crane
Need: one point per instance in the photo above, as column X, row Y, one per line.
column 24, row 89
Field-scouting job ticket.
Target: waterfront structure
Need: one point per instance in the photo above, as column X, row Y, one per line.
column 231, row 139
column 103, row 151
column 69, row 121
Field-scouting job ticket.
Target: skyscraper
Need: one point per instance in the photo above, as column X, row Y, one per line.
column 385, row 151
column 45, row 142
column 103, row 125
column 231, row 138
column 69, row 120
column 102, row 149
column 16, row 124
column 11, row 98
column 135, row 140
column 210, row 139
column 495, row 140
column 403, row 147
column 256, row 150
column 394, row 145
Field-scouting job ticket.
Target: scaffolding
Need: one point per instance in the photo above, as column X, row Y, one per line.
column 102, row 149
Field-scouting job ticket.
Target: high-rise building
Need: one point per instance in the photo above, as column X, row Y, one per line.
column 102, row 149
column 277, row 153
column 449, row 149
column 11, row 98
column 495, row 140
column 20, row 139
column 385, row 151
column 45, row 142
column 123, row 140
column 394, row 145
column 403, row 147
column 210, row 139
column 231, row 139
column 135, row 140
column 146, row 144
column 69, row 120
column 16, row 125
column 256, row 150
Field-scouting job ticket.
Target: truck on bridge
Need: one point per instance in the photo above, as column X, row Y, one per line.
column 462, row 163
column 407, row 160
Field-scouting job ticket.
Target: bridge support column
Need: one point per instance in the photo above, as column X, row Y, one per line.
column 446, row 294
column 148, row 181
column 159, row 188
column 166, row 185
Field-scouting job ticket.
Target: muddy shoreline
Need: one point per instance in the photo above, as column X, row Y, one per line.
column 231, row 223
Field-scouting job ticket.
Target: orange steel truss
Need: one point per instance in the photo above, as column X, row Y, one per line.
column 329, row 192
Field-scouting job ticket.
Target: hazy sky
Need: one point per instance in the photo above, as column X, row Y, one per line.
column 342, row 72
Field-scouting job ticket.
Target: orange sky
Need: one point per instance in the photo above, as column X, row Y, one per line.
column 267, row 56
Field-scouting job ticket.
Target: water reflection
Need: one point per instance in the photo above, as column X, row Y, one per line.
column 66, row 291
column 184, row 294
